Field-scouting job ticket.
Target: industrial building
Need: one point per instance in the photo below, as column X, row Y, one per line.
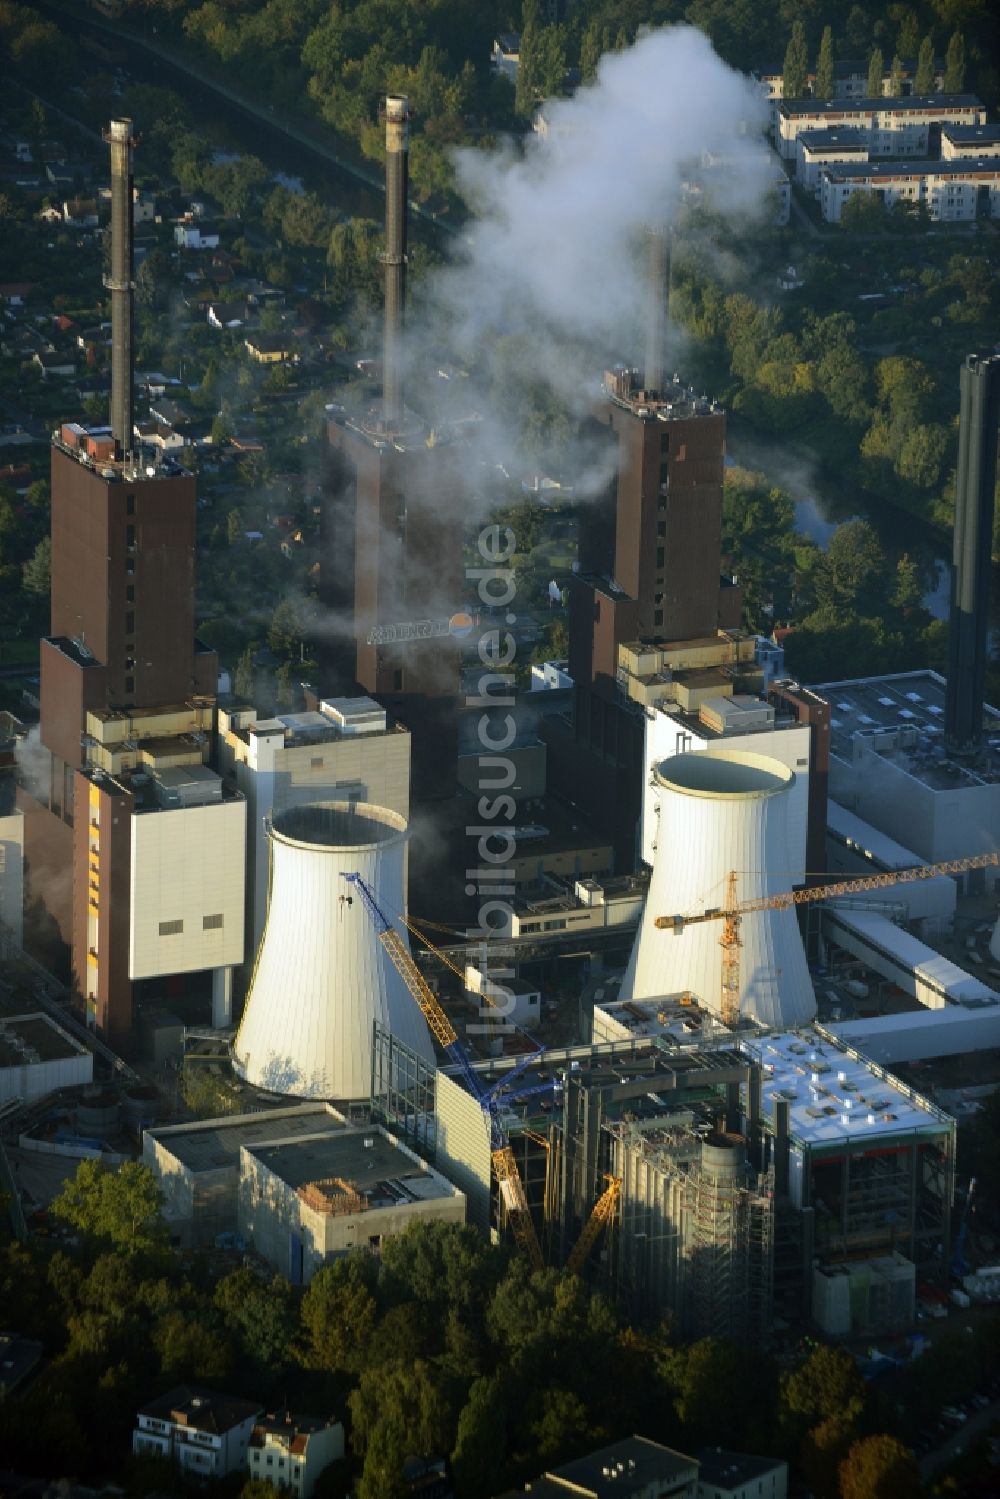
column 567, row 1140
column 198, row 1164
column 393, row 517
column 321, row 946
column 298, row 1185
column 348, row 749
column 307, row 1201
column 744, row 1167
column 892, row 766
column 152, row 840
column 723, row 838
column 37, row 1056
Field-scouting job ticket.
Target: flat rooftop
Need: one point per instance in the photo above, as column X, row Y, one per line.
column 677, row 1018
column 848, row 137
column 733, row 1470
column 367, row 1161
column 35, row 1038
column 932, row 104
column 966, row 134
column 914, row 700
column 885, row 171
column 636, row 1463
column 835, row 1096
column 212, row 1144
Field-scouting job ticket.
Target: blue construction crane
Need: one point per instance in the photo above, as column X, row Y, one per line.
column 490, row 1099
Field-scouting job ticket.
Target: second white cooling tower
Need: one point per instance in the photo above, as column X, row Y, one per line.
column 722, row 811
column 322, row 977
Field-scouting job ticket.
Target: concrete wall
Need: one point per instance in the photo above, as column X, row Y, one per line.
column 271, row 1215
column 187, row 865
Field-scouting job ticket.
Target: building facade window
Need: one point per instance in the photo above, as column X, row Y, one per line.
column 212, row 923
column 171, row 928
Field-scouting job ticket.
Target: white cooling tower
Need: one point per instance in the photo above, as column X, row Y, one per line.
column 722, row 811
column 322, row 977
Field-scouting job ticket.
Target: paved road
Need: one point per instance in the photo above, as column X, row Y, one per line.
column 959, row 1441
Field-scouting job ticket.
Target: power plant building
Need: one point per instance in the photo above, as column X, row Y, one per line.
column 298, row 1185
column 153, row 841
column 322, row 978
column 347, row 750
column 891, row 764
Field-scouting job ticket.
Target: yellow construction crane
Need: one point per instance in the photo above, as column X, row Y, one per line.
column 490, row 1100
column 734, row 910
column 601, row 1214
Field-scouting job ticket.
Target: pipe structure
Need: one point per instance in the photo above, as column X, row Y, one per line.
column 121, row 285
column 658, row 296
column 397, row 157
column 968, row 626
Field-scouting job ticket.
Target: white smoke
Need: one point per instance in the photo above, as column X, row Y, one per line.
column 555, row 248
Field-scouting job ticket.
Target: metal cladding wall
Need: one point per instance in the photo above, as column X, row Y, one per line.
column 322, row 977
column 720, row 811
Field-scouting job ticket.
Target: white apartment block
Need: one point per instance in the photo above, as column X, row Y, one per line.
column 292, row 1451
column 347, row 751
column 969, row 140
column 207, row 1435
column 892, row 127
column 952, row 191
column 816, row 149
column 850, row 79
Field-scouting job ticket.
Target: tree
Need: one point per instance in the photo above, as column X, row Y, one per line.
column 923, row 79
column 234, row 526
column 526, row 96
column 879, row 1467
column 481, row 1441
column 593, row 45
column 908, row 35
column 37, row 570
column 863, row 213
column 407, row 1399
column 826, row 1384
column 382, row 1474
column 954, row 65
column 876, row 70
column 338, row 1313
column 823, row 88
column 856, row 569
column 794, row 75
column 262, row 1313
column 896, row 78
column 117, row 1207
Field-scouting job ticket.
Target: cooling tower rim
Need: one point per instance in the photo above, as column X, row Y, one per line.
column 385, row 829
column 724, row 775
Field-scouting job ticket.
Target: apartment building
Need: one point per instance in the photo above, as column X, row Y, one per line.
column 892, row 127
column 206, row 1434
column 952, row 191
column 292, row 1451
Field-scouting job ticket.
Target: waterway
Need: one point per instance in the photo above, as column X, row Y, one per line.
column 821, row 505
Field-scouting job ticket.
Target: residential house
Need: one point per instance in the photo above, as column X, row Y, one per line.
column 269, row 348
column 196, row 234
column 81, row 213
column 226, row 314
column 14, row 293
column 165, row 409
column 54, row 364
column 205, row 1433
column 736, row 1475
column 292, row 1451
column 505, row 57
column 143, row 207
column 59, row 174
column 158, row 435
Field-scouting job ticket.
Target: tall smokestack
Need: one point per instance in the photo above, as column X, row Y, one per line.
column 657, row 295
column 397, row 157
column 972, row 556
column 120, row 284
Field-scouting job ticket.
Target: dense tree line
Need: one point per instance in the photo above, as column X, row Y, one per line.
column 444, row 1346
